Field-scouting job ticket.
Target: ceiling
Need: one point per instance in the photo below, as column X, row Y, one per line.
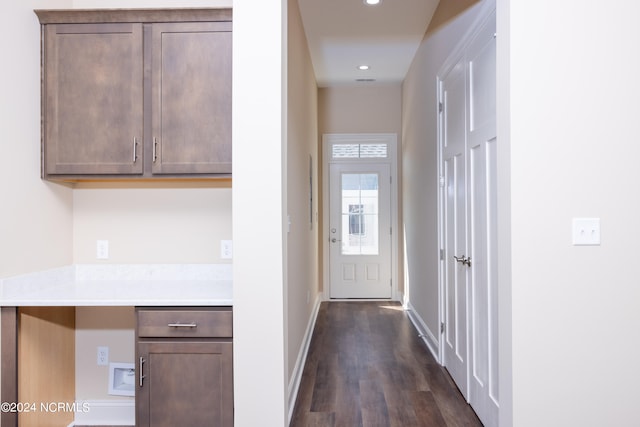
column 343, row 34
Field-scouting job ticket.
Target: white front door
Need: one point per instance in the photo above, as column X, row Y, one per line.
column 455, row 268
column 360, row 230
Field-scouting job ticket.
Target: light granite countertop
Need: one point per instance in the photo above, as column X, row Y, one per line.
column 121, row 285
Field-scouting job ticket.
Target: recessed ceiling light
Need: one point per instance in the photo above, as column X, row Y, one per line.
column 371, row 2
column 363, row 67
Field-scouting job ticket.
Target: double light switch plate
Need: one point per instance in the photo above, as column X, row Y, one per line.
column 586, row 231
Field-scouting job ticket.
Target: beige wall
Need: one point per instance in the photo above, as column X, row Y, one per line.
column 360, row 109
column 302, row 148
column 419, row 151
column 152, row 225
column 35, row 216
column 112, row 327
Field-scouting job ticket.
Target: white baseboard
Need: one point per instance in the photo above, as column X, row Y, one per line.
column 425, row 333
column 296, row 377
column 106, row 412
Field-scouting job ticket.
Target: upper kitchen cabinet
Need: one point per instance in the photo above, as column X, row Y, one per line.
column 191, row 97
column 92, row 100
column 136, row 94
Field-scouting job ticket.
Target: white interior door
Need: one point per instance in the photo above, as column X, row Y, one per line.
column 360, row 230
column 455, row 269
column 469, row 222
column 482, row 226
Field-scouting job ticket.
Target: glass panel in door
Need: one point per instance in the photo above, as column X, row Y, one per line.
column 360, row 219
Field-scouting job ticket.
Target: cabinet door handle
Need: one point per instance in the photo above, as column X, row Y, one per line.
column 135, row 149
column 140, row 366
column 183, row 325
column 155, row 149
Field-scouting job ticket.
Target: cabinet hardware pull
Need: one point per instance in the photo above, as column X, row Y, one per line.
column 183, row 325
column 155, row 149
column 135, row 149
column 140, row 364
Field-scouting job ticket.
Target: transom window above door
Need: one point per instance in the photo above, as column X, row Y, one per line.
column 359, row 151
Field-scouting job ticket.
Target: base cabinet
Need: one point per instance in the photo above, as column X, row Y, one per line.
column 185, row 367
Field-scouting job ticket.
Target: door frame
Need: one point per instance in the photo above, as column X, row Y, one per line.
column 328, row 140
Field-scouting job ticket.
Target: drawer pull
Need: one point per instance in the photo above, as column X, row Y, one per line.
column 155, row 149
column 135, row 149
column 183, row 325
column 140, row 364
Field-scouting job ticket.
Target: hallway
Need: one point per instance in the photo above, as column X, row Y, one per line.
column 367, row 367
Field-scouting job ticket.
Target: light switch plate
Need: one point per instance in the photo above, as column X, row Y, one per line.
column 586, row 231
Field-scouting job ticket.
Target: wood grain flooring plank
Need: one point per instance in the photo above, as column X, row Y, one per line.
column 373, row 404
column 324, row 396
column 454, row 409
column 348, row 406
column 400, row 407
column 427, row 410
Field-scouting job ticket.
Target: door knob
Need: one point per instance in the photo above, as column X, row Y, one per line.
column 463, row 260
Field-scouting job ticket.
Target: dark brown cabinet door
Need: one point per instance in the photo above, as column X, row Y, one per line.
column 92, row 99
column 185, row 384
column 191, row 98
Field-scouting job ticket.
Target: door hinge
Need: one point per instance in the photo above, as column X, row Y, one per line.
column 441, row 180
column 440, row 107
column 441, row 254
column 442, row 327
column 390, row 230
column 391, row 283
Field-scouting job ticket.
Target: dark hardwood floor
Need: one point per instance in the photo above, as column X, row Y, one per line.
column 367, row 367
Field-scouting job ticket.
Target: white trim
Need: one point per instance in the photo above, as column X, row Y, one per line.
column 344, row 138
column 107, row 413
column 361, row 299
column 424, row 332
column 296, row 376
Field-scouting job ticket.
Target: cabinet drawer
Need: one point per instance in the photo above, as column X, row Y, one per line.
column 197, row 323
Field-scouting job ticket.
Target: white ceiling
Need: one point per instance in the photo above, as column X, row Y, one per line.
column 343, row 34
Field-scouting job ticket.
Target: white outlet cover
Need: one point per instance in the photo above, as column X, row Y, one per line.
column 226, row 249
column 102, row 249
column 103, row 356
column 586, row 231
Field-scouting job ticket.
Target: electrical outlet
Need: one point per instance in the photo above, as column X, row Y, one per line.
column 226, row 249
column 103, row 356
column 102, row 249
